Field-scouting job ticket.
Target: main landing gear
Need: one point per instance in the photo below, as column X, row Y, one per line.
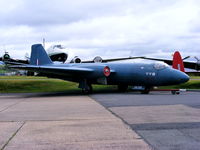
column 146, row 90
column 86, row 87
column 122, row 88
column 87, row 90
column 175, row 92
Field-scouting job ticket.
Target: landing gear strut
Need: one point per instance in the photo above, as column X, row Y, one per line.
column 146, row 90
column 87, row 90
column 175, row 92
column 86, row 87
column 122, row 88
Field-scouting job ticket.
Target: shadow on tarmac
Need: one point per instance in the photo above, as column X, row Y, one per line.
column 79, row 93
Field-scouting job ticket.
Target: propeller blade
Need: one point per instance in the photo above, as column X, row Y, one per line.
column 197, row 58
column 186, row 57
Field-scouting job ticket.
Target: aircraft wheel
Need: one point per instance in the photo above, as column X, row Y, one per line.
column 146, row 90
column 29, row 73
column 122, row 88
column 175, row 92
column 87, row 90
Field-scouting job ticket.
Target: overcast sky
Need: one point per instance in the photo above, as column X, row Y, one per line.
column 109, row 28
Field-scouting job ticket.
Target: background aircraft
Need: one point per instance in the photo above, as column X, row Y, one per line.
column 121, row 74
column 54, row 52
column 187, row 64
column 58, row 53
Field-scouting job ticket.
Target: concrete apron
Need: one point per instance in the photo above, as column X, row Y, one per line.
column 65, row 122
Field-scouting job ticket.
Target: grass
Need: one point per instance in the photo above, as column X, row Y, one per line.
column 22, row 77
column 24, row 84
column 195, row 77
column 2, row 70
column 192, row 84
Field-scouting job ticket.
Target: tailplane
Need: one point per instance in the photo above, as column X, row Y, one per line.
column 39, row 55
column 178, row 62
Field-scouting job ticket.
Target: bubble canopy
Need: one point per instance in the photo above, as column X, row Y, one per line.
column 160, row 65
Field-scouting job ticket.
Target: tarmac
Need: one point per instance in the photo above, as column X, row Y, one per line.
column 101, row 121
column 62, row 122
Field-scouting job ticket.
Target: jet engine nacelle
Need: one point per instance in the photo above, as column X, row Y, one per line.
column 6, row 57
column 97, row 59
column 76, row 59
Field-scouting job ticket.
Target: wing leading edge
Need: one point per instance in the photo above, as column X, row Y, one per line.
column 113, row 59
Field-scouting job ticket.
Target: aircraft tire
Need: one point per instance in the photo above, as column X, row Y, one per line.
column 89, row 90
column 29, row 73
column 146, row 90
column 175, row 92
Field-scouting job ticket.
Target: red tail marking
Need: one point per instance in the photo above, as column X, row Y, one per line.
column 178, row 62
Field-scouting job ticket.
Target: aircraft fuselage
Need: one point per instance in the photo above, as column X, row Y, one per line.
column 125, row 73
column 121, row 74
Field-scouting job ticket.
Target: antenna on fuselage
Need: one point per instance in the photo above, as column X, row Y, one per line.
column 43, row 40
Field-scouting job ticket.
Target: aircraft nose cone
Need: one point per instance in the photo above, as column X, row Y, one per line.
column 180, row 77
column 183, row 77
column 172, row 77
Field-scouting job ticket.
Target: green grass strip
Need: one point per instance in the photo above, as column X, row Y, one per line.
column 24, row 84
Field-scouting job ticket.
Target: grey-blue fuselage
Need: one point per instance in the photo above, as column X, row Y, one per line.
column 122, row 74
column 139, row 74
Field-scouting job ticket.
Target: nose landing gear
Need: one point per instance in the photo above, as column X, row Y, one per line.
column 175, row 92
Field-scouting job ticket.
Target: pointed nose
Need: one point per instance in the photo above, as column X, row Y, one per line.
column 183, row 77
column 179, row 77
column 172, row 77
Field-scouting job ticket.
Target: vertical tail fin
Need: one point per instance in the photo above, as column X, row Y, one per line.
column 39, row 55
column 178, row 62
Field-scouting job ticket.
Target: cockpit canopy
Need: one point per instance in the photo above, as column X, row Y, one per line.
column 160, row 65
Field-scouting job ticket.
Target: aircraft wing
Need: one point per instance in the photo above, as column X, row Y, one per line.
column 54, row 69
column 167, row 61
column 16, row 62
column 20, row 62
column 112, row 59
column 12, row 61
column 190, row 65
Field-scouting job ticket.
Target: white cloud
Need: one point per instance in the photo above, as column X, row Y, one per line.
column 99, row 27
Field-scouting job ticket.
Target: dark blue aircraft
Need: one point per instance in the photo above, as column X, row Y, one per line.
column 121, row 74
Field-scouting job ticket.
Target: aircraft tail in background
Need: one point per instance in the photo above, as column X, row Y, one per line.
column 39, row 55
column 178, row 62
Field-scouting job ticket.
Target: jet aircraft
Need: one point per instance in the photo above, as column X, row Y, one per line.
column 187, row 64
column 121, row 74
column 57, row 54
